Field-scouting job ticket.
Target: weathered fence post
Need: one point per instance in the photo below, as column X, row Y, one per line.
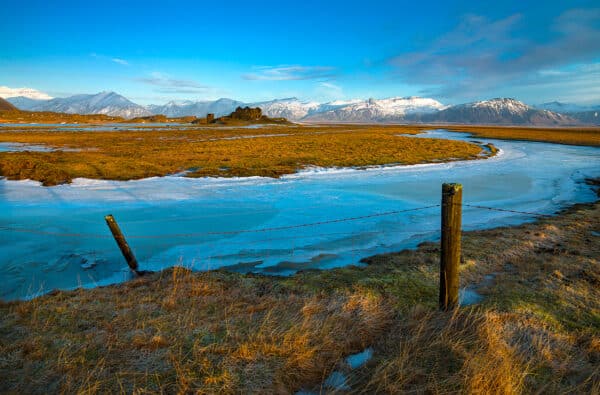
column 451, row 234
column 122, row 243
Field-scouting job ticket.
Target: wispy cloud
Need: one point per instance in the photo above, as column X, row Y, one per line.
column 167, row 84
column 290, row 73
column 481, row 54
column 120, row 61
column 329, row 91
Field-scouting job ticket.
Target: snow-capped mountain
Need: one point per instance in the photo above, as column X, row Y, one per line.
column 290, row 108
column 394, row 109
column 498, row 111
column 29, row 93
column 108, row 103
column 218, row 107
column 334, row 105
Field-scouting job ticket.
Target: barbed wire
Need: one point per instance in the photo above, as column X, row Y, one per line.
column 278, row 228
column 231, row 232
column 507, row 210
column 314, row 235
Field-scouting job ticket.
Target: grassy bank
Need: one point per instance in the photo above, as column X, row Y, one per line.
column 269, row 151
column 536, row 330
column 54, row 117
column 571, row 136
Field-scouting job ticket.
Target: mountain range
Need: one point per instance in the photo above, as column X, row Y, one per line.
column 108, row 103
column 501, row 111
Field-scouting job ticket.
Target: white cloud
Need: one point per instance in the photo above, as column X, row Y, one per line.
column 167, row 84
column 120, row 61
column 290, row 73
column 480, row 56
column 31, row 93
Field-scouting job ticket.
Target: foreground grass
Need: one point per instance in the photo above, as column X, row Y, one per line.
column 537, row 330
column 571, row 136
column 270, row 151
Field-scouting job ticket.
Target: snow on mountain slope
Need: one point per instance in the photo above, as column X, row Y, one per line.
column 108, row 103
column 30, row 93
column 498, row 111
column 290, row 108
column 373, row 110
column 218, row 107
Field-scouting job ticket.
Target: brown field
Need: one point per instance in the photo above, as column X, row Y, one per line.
column 571, row 136
column 536, row 331
column 54, row 117
column 218, row 151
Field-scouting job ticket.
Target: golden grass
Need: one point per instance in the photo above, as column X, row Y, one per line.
column 219, row 151
column 571, row 136
column 180, row 332
column 537, row 330
column 54, row 117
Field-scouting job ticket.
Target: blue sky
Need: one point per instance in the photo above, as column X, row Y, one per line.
column 454, row 51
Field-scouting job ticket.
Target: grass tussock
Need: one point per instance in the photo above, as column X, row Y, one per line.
column 434, row 352
column 270, row 151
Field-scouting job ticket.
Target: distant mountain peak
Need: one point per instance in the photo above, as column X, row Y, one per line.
column 106, row 102
column 27, row 93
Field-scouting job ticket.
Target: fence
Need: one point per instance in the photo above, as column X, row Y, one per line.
column 451, row 228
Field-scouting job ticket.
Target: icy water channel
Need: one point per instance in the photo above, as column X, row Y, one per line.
column 56, row 237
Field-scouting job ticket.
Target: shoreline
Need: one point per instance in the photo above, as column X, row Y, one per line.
column 594, row 185
column 307, row 171
column 220, row 331
column 488, row 151
column 131, row 155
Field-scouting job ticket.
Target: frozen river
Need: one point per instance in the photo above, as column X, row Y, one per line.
column 56, row 237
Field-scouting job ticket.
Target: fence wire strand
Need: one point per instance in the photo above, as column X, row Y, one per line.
column 231, row 232
column 508, row 210
column 277, row 228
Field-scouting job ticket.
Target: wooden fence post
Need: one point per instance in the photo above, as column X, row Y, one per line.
column 451, row 245
column 122, row 243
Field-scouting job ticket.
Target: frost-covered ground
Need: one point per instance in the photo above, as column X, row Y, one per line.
column 173, row 220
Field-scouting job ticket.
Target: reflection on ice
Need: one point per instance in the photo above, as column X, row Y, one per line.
column 176, row 220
